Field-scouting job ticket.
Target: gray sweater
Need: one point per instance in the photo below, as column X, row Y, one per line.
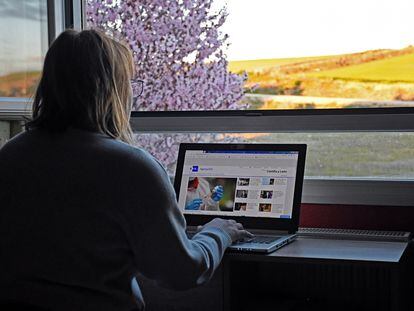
column 81, row 214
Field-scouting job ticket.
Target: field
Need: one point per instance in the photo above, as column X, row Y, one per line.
column 395, row 69
column 20, row 84
column 383, row 76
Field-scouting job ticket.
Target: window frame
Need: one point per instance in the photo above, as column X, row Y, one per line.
column 400, row 119
column 55, row 18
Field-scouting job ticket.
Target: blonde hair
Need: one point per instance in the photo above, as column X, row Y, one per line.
column 85, row 84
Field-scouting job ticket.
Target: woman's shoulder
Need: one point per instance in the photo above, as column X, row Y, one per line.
column 140, row 168
column 136, row 156
column 16, row 142
column 129, row 151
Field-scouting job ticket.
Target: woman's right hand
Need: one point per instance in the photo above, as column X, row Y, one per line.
column 234, row 229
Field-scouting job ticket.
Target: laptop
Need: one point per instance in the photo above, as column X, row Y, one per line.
column 258, row 185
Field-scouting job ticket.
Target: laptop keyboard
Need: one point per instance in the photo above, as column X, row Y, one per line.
column 260, row 239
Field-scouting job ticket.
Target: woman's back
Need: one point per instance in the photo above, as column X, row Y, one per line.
column 62, row 223
column 81, row 213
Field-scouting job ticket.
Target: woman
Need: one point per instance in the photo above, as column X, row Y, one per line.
column 82, row 211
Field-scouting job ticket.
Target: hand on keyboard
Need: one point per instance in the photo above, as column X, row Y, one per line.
column 249, row 239
column 234, row 229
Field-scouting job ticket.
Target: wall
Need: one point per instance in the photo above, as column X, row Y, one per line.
column 4, row 132
column 8, row 129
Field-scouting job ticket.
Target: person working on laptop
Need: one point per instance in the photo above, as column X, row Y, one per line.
column 83, row 211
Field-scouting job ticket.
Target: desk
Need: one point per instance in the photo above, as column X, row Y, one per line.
column 326, row 249
column 308, row 274
column 318, row 274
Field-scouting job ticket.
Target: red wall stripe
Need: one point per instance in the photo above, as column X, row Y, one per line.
column 358, row 217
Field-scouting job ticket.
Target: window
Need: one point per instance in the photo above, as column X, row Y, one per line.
column 296, row 93
column 24, row 41
column 313, row 75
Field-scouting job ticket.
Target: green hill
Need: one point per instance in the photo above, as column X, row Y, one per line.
column 394, row 69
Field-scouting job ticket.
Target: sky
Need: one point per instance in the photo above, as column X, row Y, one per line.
column 257, row 28
column 294, row 28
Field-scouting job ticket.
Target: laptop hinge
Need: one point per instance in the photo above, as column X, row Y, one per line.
column 266, row 231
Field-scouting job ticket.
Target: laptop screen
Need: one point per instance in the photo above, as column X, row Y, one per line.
column 248, row 183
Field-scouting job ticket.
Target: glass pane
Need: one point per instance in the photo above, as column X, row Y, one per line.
column 361, row 155
column 24, row 41
column 296, row 54
column 309, row 54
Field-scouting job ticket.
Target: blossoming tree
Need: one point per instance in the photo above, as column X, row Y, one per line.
column 178, row 50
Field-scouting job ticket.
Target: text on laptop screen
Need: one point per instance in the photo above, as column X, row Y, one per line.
column 238, row 183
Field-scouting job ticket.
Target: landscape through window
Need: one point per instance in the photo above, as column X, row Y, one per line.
column 292, row 54
column 323, row 54
column 24, row 41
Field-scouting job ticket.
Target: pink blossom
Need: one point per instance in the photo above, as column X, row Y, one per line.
column 178, row 50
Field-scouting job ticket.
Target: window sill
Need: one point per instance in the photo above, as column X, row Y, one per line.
column 12, row 109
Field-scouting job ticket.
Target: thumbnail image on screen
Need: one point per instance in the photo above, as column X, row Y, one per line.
column 265, row 207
